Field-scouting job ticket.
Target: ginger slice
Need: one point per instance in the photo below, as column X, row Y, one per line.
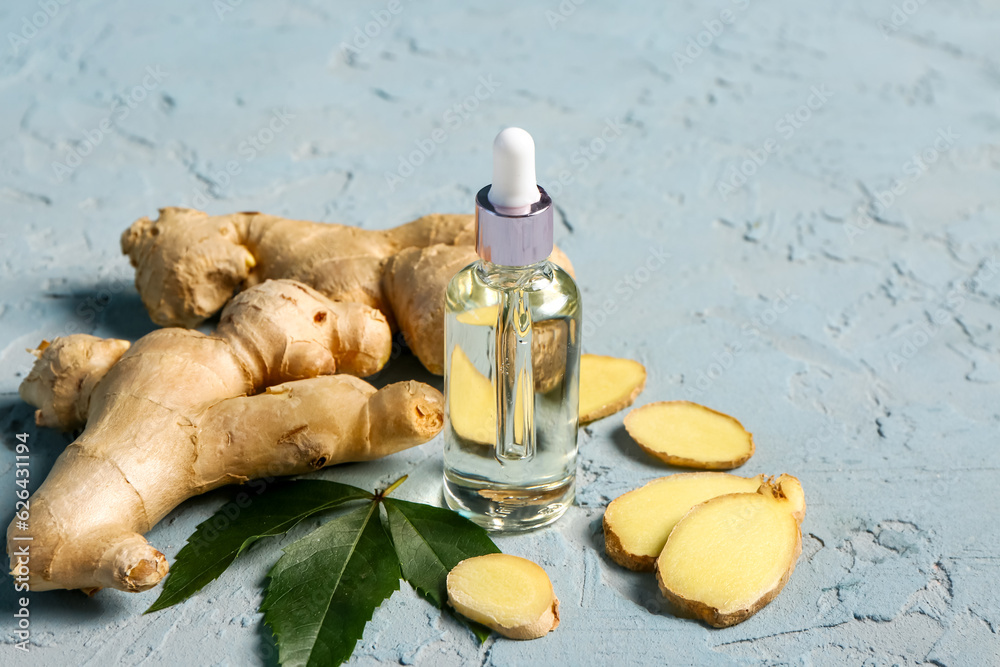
column 636, row 524
column 730, row 556
column 607, row 385
column 689, row 435
column 508, row 594
column 472, row 405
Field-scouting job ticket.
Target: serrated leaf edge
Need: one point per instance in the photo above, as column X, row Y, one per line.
column 265, row 608
column 156, row 606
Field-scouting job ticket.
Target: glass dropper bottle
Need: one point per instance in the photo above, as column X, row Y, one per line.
column 512, row 357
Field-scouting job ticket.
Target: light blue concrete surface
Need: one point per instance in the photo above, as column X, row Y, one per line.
column 857, row 340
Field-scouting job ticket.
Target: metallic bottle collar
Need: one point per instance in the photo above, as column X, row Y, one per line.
column 513, row 240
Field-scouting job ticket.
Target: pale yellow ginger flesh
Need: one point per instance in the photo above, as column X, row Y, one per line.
column 508, row 594
column 636, row 524
column 730, row 556
column 188, row 264
column 178, row 413
column 686, row 434
column 790, row 490
column 472, row 404
column 607, row 385
column 415, row 281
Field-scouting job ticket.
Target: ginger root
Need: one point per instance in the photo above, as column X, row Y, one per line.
column 415, row 283
column 508, row 594
column 188, row 264
column 607, row 385
column 637, row 524
column 180, row 413
column 689, row 435
column 63, row 385
column 730, row 556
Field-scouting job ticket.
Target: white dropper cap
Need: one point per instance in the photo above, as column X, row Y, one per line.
column 514, row 185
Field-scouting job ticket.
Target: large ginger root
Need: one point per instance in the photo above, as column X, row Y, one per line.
column 180, row 413
column 690, row 435
column 508, row 594
column 637, row 524
column 188, row 264
column 415, row 283
column 730, row 556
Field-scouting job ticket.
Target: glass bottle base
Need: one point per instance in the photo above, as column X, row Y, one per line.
column 500, row 509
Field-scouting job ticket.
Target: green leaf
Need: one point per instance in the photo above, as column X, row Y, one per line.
column 430, row 541
column 326, row 587
column 217, row 542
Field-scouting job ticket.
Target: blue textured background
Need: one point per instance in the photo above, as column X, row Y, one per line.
column 857, row 340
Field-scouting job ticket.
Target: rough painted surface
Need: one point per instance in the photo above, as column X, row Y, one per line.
column 858, row 340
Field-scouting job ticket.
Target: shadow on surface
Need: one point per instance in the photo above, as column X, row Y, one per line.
column 403, row 365
column 629, row 448
column 44, row 445
column 267, row 649
column 109, row 309
column 638, row 587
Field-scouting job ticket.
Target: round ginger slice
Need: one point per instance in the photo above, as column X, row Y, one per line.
column 730, row 556
column 508, row 594
column 636, row 524
column 690, row 435
column 607, row 385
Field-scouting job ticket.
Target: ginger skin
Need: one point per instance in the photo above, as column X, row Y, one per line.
column 188, row 264
column 180, row 413
column 62, row 386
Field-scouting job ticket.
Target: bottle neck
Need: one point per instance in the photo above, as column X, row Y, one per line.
column 513, row 240
column 502, row 276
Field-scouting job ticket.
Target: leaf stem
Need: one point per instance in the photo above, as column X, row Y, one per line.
column 392, row 487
